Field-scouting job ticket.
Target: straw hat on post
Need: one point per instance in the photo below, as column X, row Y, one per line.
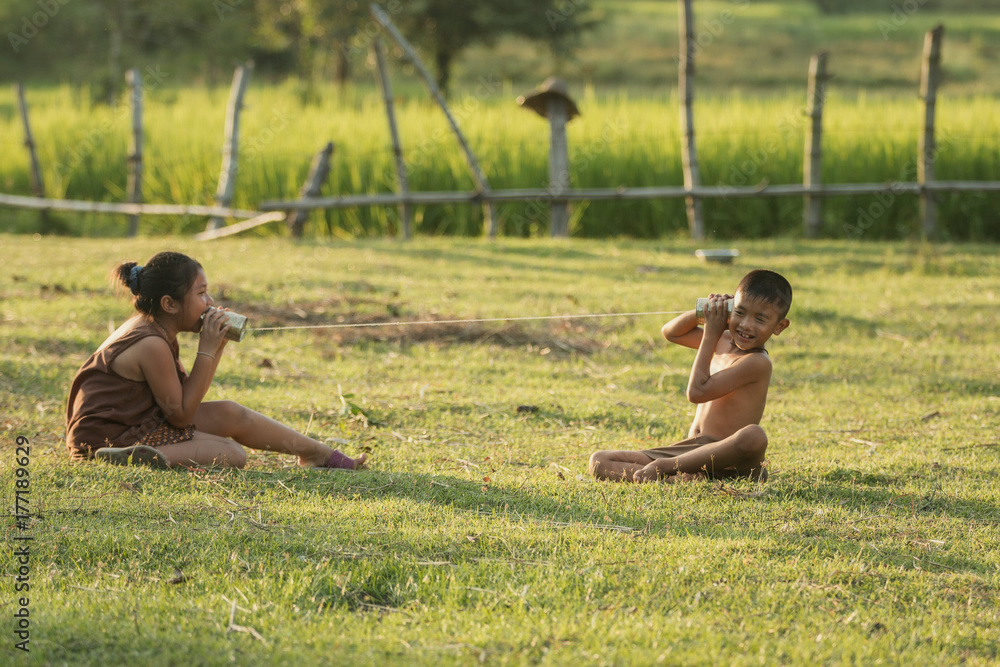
column 538, row 99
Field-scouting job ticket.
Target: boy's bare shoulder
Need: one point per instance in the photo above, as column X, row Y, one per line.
column 757, row 362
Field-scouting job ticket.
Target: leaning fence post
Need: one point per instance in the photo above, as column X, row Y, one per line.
column 929, row 79
column 812, row 169
column 230, row 145
column 483, row 185
column 313, row 186
column 685, row 83
column 134, row 189
column 37, row 184
column 397, row 149
column 551, row 100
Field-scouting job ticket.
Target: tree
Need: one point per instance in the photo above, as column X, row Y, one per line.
column 446, row 27
column 313, row 31
column 95, row 41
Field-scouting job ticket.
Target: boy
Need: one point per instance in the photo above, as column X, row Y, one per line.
column 729, row 380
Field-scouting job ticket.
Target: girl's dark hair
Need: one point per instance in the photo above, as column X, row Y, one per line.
column 164, row 274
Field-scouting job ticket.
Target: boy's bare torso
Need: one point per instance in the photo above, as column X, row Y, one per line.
column 720, row 418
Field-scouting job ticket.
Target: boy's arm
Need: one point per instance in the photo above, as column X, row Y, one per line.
column 703, row 386
column 683, row 330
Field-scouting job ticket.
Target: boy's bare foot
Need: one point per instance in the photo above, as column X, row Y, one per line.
column 685, row 477
column 654, row 472
column 646, row 475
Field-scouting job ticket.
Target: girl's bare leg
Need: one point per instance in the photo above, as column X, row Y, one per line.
column 743, row 450
column 205, row 449
column 252, row 429
column 618, row 466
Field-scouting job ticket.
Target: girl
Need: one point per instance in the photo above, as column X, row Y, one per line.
column 132, row 400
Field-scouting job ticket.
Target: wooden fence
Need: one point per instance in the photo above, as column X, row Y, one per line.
column 557, row 195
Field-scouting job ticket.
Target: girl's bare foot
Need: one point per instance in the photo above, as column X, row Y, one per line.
column 338, row 461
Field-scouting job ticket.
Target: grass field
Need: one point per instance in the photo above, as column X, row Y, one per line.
column 476, row 536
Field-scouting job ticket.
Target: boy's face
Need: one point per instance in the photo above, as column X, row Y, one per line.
column 754, row 321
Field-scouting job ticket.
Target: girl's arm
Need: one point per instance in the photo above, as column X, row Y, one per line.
column 179, row 401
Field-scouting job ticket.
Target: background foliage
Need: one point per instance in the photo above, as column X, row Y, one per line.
column 751, row 65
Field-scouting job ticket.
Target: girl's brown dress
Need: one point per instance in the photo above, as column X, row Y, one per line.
column 106, row 409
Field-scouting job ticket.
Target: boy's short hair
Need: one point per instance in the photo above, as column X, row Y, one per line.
column 769, row 287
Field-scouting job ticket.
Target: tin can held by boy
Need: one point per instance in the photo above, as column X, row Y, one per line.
column 699, row 309
column 237, row 325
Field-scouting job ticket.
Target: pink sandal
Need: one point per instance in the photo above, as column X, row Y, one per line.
column 338, row 461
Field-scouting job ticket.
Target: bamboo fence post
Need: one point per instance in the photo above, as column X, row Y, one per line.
column 482, row 184
column 689, row 154
column 385, row 84
column 37, row 184
column 812, row 171
column 929, row 80
column 134, row 189
column 558, row 167
column 313, row 186
column 230, row 145
column 551, row 100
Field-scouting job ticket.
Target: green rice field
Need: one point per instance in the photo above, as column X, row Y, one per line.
column 620, row 139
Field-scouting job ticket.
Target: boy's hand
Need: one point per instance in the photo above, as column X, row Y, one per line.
column 717, row 314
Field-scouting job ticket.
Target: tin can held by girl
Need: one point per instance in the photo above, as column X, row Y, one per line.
column 237, row 325
column 699, row 309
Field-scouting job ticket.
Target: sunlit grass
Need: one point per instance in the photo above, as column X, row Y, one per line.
column 476, row 535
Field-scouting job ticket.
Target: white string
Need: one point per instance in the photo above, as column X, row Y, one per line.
column 469, row 321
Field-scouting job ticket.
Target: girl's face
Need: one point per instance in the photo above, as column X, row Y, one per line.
column 196, row 302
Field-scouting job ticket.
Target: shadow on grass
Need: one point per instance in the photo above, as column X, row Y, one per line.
column 830, row 318
column 880, row 492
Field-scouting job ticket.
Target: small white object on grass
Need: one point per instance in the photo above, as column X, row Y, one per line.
column 720, row 255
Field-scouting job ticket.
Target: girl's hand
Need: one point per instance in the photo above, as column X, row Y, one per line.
column 214, row 325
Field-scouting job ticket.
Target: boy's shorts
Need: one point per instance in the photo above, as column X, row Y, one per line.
column 758, row 474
